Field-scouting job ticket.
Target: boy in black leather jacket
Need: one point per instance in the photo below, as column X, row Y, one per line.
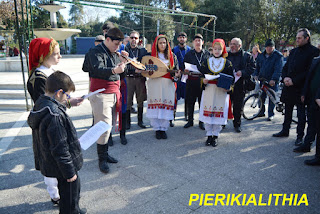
column 57, row 151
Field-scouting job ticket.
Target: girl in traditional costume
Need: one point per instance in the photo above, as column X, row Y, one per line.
column 43, row 54
column 161, row 91
column 214, row 107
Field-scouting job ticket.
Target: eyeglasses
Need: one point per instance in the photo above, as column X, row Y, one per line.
column 68, row 96
column 132, row 37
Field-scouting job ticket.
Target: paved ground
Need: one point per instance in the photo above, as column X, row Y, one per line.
column 158, row 176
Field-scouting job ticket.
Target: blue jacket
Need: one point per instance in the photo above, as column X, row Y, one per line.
column 269, row 68
column 180, row 54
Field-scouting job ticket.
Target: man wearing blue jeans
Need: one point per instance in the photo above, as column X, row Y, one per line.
column 269, row 67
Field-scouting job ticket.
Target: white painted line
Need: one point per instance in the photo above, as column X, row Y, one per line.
column 12, row 133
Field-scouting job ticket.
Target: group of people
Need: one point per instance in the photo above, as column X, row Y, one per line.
column 218, row 84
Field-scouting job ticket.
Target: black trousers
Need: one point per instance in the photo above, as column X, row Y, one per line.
column 237, row 97
column 69, row 196
column 303, row 113
column 193, row 93
column 317, row 119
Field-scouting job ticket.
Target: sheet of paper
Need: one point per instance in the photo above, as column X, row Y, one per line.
column 236, row 78
column 93, row 93
column 211, row 77
column 191, row 67
column 184, row 78
column 93, row 134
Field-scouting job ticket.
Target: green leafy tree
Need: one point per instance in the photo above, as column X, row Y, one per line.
column 76, row 13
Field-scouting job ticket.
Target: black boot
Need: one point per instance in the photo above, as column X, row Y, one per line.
column 128, row 116
column 140, row 116
column 186, row 111
column 102, row 155
column 190, row 110
column 110, row 159
column 123, row 137
column 110, row 140
column 123, row 129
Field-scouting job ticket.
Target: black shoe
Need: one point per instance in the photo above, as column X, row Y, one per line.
column 302, row 149
column 189, row 124
column 171, row 123
column 238, row 129
column 298, row 142
column 110, row 141
column 223, row 126
column 158, row 135
column 163, row 135
column 83, row 211
column 313, row 162
column 261, row 115
column 201, row 126
column 270, row 118
column 214, row 141
column 141, row 124
column 209, row 141
column 111, row 159
column 133, row 110
column 281, row 134
column 55, row 202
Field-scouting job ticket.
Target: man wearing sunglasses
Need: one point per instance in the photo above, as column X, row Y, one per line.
column 135, row 81
column 105, row 66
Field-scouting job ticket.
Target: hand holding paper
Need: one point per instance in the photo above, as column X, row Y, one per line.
column 93, row 93
column 191, row 67
column 93, row 134
column 211, row 77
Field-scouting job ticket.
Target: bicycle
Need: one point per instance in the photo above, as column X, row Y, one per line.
column 252, row 105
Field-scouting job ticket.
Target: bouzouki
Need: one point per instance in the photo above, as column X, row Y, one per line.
column 134, row 63
column 156, row 68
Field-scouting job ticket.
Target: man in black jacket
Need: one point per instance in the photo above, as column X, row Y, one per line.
column 310, row 95
column 105, row 66
column 135, row 81
column 57, row 151
column 244, row 66
column 293, row 76
column 196, row 56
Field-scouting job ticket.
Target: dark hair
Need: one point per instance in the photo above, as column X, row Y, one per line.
column 306, row 33
column 115, row 34
column 59, row 80
column 182, row 34
column 198, row 36
column 135, row 32
column 107, row 26
column 167, row 46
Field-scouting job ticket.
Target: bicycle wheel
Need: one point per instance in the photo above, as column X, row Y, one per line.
column 252, row 106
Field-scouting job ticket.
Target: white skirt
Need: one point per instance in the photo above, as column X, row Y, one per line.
column 214, row 105
column 160, row 98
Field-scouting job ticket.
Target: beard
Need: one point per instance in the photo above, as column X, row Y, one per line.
column 182, row 43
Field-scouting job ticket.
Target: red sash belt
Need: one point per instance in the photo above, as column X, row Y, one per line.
column 213, row 82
